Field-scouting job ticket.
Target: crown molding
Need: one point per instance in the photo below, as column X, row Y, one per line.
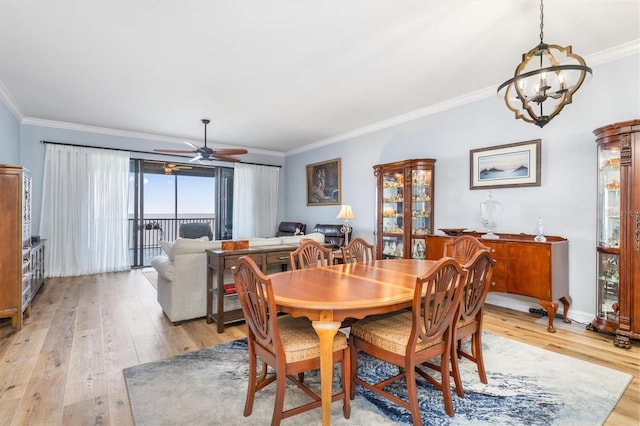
column 11, row 103
column 129, row 134
column 617, row 52
column 598, row 58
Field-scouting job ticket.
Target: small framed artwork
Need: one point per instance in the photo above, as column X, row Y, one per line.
column 506, row 166
column 324, row 183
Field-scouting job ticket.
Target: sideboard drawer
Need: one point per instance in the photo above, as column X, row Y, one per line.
column 278, row 258
column 231, row 261
column 497, row 249
column 499, row 277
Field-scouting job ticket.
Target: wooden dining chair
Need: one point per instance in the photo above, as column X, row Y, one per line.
column 479, row 272
column 290, row 346
column 409, row 339
column 310, row 254
column 463, row 248
column 358, row 250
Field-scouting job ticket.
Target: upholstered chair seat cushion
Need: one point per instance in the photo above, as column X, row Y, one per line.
column 300, row 341
column 389, row 332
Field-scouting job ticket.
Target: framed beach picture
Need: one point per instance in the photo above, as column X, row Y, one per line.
column 506, row 166
column 324, row 183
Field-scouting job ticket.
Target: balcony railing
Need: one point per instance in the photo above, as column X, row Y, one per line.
column 155, row 230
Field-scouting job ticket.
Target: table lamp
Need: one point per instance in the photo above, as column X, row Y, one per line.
column 346, row 214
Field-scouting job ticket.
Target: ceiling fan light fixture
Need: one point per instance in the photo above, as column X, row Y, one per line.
column 545, row 81
column 206, row 155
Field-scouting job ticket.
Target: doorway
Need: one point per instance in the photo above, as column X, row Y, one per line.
column 163, row 195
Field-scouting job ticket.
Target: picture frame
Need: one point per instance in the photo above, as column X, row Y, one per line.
column 506, row 166
column 324, row 183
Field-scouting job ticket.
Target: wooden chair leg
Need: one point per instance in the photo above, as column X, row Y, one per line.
column 251, row 388
column 455, row 370
column 412, row 396
column 353, row 355
column 279, row 402
column 346, row 383
column 477, row 344
column 446, row 386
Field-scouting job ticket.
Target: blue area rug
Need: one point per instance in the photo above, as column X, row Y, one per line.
column 527, row 386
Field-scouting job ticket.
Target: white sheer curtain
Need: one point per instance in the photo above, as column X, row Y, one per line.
column 84, row 210
column 255, row 200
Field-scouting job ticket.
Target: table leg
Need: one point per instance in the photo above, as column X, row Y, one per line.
column 326, row 332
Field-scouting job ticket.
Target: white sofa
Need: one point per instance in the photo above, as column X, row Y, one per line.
column 182, row 273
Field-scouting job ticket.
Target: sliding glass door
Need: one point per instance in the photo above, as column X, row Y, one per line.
column 162, row 196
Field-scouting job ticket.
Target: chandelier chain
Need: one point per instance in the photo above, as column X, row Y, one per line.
column 541, row 21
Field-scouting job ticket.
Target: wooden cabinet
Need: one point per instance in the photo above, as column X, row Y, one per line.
column 524, row 267
column 404, row 208
column 618, row 232
column 15, row 250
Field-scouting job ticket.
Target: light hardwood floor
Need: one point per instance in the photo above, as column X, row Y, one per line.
column 65, row 366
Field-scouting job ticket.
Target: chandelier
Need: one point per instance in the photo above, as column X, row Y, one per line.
column 545, row 81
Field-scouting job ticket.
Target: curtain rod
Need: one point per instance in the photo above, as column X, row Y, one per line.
column 142, row 152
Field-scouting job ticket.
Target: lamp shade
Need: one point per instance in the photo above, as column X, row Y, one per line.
column 345, row 212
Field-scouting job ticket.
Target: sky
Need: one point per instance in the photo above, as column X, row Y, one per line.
column 196, row 194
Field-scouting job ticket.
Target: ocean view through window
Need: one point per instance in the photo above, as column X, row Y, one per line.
column 160, row 201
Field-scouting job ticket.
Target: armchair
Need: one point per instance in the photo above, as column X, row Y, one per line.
column 290, row 228
column 195, row 230
column 332, row 234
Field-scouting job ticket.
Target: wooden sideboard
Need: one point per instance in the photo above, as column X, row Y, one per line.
column 524, row 267
column 221, row 261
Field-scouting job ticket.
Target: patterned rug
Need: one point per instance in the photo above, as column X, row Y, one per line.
column 527, row 386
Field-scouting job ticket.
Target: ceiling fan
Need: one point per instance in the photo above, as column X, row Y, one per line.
column 205, row 154
column 170, row 167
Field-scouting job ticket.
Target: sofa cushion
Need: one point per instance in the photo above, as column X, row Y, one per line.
column 316, row 236
column 190, row 246
column 260, row 242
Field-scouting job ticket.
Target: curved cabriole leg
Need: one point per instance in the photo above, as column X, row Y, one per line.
column 551, row 308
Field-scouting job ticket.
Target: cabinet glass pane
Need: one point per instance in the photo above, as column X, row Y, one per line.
column 418, row 248
column 420, row 202
column 393, row 203
column 608, row 286
column 609, row 195
column 392, row 247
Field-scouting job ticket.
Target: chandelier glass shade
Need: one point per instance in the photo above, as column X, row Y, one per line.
column 544, row 82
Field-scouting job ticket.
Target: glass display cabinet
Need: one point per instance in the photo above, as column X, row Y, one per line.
column 404, row 208
column 618, row 232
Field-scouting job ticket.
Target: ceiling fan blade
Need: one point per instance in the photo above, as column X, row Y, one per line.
column 196, row 158
column 174, row 151
column 225, row 158
column 191, row 145
column 230, row 151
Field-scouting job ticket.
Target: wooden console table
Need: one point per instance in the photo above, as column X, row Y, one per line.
column 219, row 261
column 524, row 267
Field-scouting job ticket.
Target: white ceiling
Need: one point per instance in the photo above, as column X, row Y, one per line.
column 278, row 75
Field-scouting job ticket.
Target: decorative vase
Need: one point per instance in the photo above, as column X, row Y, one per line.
column 491, row 211
column 540, row 227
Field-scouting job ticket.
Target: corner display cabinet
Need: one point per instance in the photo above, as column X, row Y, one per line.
column 618, row 232
column 404, row 215
column 15, row 250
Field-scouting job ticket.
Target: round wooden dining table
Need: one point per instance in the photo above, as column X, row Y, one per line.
column 331, row 294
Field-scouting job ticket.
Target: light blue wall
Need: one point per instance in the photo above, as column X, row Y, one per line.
column 566, row 199
column 9, row 137
column 32, row 153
